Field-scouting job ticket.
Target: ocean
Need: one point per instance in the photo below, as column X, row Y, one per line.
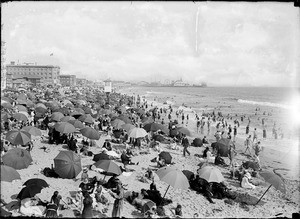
column 275, row 103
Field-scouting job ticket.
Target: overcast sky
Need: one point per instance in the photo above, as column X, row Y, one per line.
column 221, row 43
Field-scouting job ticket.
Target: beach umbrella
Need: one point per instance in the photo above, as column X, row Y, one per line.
column 5, row 116
column 108, row 166
column 166, row 156
column 29, row 191
column 64, row 127
column 76, row 123
column 67, row 164
column 37, row 182
column 251, row 164
column 7, row 99
column 202, row 164
column 21, row 101
column 274, row 181
column 146, row 120
column 87, row 118
column 87, row 110
column 137, row 133
column 81, row 102
column 211, row 174
column 188, row 174
column 40, row 107
column 79, row 110
column 18, row 137
column 32, row 130
column 90, row 133
column 222, row 147
column 125, row 118
column 153, row 126
column 57, row 116
column 127, row 127
column 197, row 142
column 158, row 138
column 117, row 123
column 63, row 110
column 8, row 174
column 147, row 206
column 17, row 158
column 174, row 177
column 184, row 130
column 65, row 102
column 101, row 156
column 67, row 118
column 6, row 105
column 20, row 117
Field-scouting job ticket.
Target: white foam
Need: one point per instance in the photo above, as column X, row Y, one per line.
column 265, row 103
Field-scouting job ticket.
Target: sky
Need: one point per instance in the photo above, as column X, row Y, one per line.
column 220, row 43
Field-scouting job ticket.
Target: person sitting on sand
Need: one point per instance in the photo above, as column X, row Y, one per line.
column 29, row 208
column 245, row 181
column 84, row 174
column 149, row 174
column 204, row 140
column 126, row 159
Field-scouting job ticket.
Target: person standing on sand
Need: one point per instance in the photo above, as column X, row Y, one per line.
column 254, row 135
column 247, row 129
column 118, row 203
column 185, row 143
column 247, row 144
column 234, row 133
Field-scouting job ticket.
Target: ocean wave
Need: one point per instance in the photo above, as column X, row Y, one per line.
column 264, row 103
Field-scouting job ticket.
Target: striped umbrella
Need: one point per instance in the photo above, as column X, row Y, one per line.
column 18, row 137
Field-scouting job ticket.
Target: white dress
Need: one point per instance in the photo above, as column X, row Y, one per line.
column 246, row 184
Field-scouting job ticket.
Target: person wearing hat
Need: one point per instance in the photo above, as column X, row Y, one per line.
column 245, row 181
column 119, row 200
column 84, row 174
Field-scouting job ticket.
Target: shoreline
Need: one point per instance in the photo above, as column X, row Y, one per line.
column 273, row 156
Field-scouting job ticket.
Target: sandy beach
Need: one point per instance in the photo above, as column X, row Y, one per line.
column 274, row 202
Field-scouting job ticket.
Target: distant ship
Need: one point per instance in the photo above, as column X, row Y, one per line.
column 203, row 84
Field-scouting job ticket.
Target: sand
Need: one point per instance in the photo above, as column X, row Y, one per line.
column 273, row 203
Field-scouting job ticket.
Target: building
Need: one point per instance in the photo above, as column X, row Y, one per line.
column 68, row 80
column 3, row 69
column 35, row 74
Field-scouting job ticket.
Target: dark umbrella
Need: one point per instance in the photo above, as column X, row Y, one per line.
column 155, row 127
column 222, row 147
column 159, row 138
column 4, row 213
column 274, row 180
column 37, row 182
column 29, row 191
column 67, row 164
column 166, row 156
column 173, row 132
column 101, row 156
column 197, row 142
column 87, row 118
column 8, row 174
column 188, row 174
column 17, row 158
